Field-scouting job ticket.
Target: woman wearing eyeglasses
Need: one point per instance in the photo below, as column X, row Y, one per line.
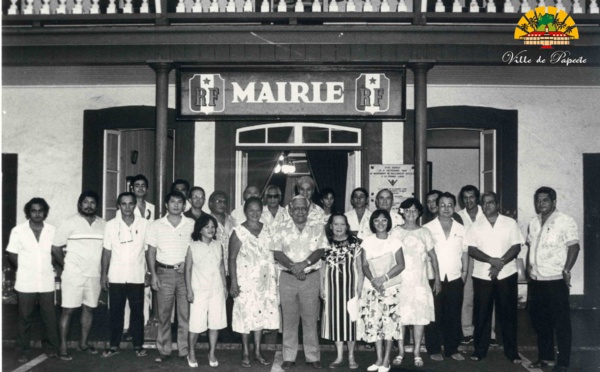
column 416, row 305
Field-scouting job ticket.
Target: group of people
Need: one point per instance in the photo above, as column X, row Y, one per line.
column 366, row 275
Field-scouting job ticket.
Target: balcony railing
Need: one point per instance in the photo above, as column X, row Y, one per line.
column 162, row 12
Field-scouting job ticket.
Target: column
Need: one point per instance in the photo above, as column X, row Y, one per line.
column 162, row 70
column 421, row 178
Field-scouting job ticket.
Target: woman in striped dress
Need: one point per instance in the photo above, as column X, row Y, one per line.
column 341, row 279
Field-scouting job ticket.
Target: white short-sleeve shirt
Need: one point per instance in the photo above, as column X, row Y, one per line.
column 365, row 229
column 494, row 241
column 449, row 250
column 84, row 244
column 171, row 242
column 127, row 246
column 148, row 213
column 35, row 272
column 353, row 222
column 376, row 248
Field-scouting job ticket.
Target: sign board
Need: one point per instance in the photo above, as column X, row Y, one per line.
column 326, row 93
column 398, row 178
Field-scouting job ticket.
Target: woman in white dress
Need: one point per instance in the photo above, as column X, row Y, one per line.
column 206, row 287
column 416, row 306
column 253, row 280
column 379, row 312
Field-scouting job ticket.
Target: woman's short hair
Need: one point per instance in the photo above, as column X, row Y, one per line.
column 326, row 191
column 329, row 230
column 201, row 223
column 378, row 213
column 40, row 201
column 250, row 200
column 407, row 203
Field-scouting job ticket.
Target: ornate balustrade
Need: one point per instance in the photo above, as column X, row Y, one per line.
column 95, row 12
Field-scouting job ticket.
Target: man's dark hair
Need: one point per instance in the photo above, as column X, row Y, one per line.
column 468, row 188
column 546, row 190
column 139, row 177
column 492, row 194
column 180, row 181
column 376, row 214
column 174, row 194
column 40, row 201
column 195, row 188
column 433, row 192
column 88, row 194
column 448, row 195
column 124, row 194
column 359, row 189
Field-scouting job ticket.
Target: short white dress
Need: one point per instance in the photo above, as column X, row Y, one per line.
column 208, row 309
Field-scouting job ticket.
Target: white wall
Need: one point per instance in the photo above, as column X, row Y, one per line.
column 204, row 158
column 44, row 126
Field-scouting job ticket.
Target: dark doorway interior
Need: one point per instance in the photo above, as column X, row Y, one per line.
column 10, row 166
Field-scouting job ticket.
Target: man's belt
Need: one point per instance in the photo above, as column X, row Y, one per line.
column 159, row 264
column 291, row 273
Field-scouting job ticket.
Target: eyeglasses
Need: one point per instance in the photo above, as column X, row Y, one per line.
column 221, row 201
column 273, row 196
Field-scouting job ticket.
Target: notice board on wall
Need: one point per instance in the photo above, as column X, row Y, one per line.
column 398, row 178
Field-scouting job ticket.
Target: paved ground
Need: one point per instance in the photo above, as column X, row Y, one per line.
column 586, row 351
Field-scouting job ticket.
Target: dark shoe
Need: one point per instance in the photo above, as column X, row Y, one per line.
column 88, row 349
column 162, row 358
column 110, row 352
column 140, row 352
column 369, row 346
column 315, row 365
column 65, row 357
column 558, row 368
column 287, row 364
column 494, row 342
column 51, row 354
column 476, row 358
column 126, row 337
column 467, row 340
column 541, row 363
column 23, row 358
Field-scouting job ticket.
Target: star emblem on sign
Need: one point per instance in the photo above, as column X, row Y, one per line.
column 206, row 81
column 372, row 81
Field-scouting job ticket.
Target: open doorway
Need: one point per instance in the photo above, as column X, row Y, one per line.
column 462, row 156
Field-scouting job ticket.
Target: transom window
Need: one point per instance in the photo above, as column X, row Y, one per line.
column 298, row 134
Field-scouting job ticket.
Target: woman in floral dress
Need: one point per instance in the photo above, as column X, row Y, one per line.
column 416, row 305
column 341, row 278
column 253, row 280
column 379, row 314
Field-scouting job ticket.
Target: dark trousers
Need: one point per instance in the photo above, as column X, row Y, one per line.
column 446, row 329
column 504, row 292
column 550, row 313
column 27, row 304
column 118, row 294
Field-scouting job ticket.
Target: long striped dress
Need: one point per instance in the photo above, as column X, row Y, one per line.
column 340, row 285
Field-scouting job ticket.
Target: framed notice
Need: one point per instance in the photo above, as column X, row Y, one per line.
column 398, row 178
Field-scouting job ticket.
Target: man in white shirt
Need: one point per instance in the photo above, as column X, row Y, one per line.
column 452, row 256
column 29, row 250
column 472, row 212
column 124, row 271
column 494, row 243
column 139, row 186
column 553, row 242
column 238, row 214
column 82, row 234
column 360, row 201
column 306, row 187
column 383, row 200
column 168, row 240
column 273, row 213
column 297, row 248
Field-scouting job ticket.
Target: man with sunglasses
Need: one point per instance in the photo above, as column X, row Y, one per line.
column 273, row 213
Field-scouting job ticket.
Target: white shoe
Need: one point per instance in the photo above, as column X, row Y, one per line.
column 384, row 369
column 373, row 367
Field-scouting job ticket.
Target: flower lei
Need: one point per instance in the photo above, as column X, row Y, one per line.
column 337, row 254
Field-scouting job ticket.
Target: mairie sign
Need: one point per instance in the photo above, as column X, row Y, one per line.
column 324, row 94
